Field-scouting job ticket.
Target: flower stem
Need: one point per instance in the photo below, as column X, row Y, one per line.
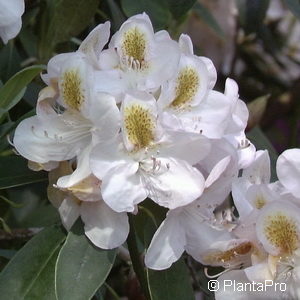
column 136, row 258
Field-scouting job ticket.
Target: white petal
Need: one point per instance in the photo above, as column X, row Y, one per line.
column 246, row 155
column 185, row 44
column 69, row 211
column 278, row 228
column 106, row 156
column 199, row 234
column 167, row 244
column 10, row 18
column 139, row 121
column 81, row 172
column 53, row 68
column 217, row 171
column 259, row 272
column 112, row 82
column 188, row 87
column 108, row 59
column 211, row 116
column 176, row 183
column 259, row 171
column 288, row 170
column 10, row 31
column 75, row 83
column 48, row 139
column 93, row 44
column 239, row 188
column 122, row 188
column 103, row 226
column 187, row 146
column 105, row 116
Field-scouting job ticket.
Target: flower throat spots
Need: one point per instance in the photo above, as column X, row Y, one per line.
column 139, row 125
column 72, row 89
column 134, row 45
column 187, row 87
column 281, row 232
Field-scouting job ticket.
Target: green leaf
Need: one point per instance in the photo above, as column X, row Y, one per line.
column 13, row 90
column 171, row 284
column 10, row 61
column 117, row 15
column 261, row 142
column 157, row 10
column 66, row 18
column 179, row 8
column 81, row 266
column 30, row 273
column 206, row 16
column 14, row 172
column 294, row 6
column 252, row 13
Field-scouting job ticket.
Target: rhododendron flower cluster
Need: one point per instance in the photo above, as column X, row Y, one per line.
column 135, row 116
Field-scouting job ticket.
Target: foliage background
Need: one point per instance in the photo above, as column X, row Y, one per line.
column 255, row 42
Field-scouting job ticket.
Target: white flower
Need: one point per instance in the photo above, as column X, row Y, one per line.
column 89, row 52
column 103, row 226
column 137, row 58
column 187, row 101
column 193, row 228
column 288, row 171
column 68, row 124
column 147, row 162
column 10, row 18
column 235, row 131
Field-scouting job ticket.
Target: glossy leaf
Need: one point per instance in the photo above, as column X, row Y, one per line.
column 14, row 172
column 30, row 273
column 72, row 16
column 157, row 10
column 13, row 90
column 180, row 7
column 81, row 266
column 173, row 283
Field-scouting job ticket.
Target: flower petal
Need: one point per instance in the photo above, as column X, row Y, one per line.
column 69, row 211
column 48, row 139
column 167, row 244
column 174, row 184
column 288, row 170
column 122, row 187
column 103, row 226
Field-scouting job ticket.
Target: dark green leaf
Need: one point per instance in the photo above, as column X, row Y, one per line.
column 30, row 273
column 261, row 142
column 81, row 266
column 14, row 89
column 156, row 9
column 73, row 17
column 116, row 14
column 14, row 172
column 252, row 13
column 10, row 61
column 171, row 284
column 180, row 7
column 294, row 6
column 208, row 18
